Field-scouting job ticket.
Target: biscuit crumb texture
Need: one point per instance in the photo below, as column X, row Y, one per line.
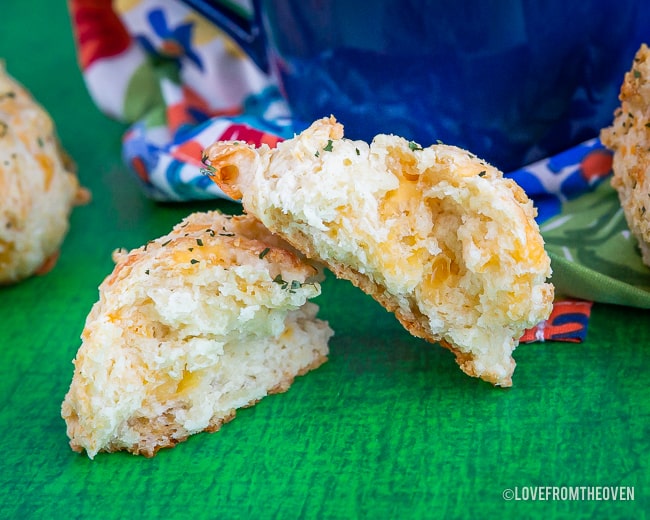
column 188, row 328
column 38, row 186
column 436, row 235
column 629, row 138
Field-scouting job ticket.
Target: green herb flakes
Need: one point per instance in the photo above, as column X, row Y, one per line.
column 264, row 252
column 329, row 147
column 292, row 287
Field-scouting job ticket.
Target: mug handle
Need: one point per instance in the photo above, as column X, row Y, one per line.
column 246, row 32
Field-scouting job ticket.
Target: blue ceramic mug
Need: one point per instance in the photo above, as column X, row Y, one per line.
column 510, row 80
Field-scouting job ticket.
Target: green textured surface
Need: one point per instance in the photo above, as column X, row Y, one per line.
column 388, row 428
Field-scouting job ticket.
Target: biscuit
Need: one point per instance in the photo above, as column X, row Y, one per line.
column 188, row 328
column 435, row 235
column 38, row 186
column 629, row 138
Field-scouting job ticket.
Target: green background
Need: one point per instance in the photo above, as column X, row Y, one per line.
column 388, row 428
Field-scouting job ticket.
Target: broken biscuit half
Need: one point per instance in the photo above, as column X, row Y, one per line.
column 436, row 235
column 190, row 327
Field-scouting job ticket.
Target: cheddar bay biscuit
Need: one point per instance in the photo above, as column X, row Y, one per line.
column 629, row 138
column 435, row 235
column 38, row 186
column 196, row 324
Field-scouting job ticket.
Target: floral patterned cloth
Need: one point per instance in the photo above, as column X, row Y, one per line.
column 181, row 83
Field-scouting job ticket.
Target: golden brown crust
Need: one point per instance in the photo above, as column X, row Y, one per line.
column 227, row 174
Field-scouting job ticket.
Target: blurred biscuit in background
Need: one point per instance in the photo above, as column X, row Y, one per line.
column 38, row 185
column 629, row 138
